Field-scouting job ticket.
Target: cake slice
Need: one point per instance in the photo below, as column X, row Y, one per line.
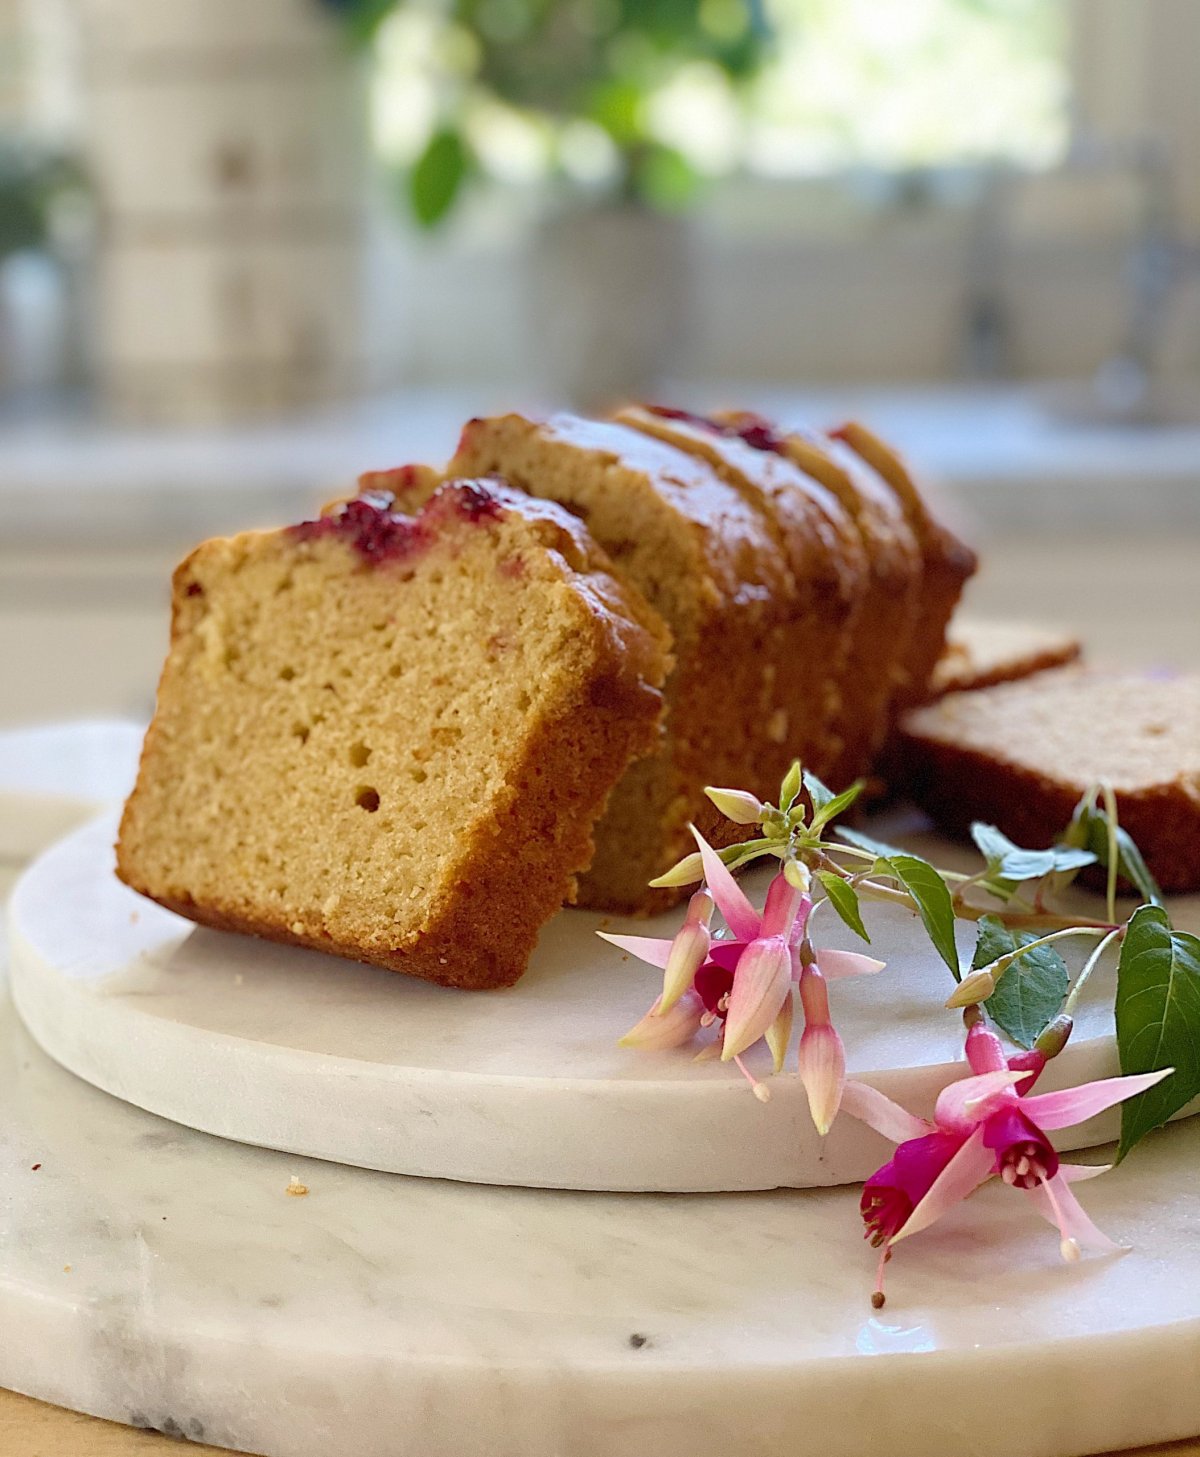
column 877, row 654
column 389, row 736
column 1019, row 755
column 947, row 563
column 980, row 654
column 818, row 621
column 706, row 560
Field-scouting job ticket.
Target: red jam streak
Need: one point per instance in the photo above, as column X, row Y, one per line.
column 378, row 534
column 756, row 431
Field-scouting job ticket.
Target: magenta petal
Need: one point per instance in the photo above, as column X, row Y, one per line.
column 1073, row 1105
column 740, row 916
column 651, row 949
column 1058, row 1206
column 971, row 1166
column 727, row 954
column 877, row 1110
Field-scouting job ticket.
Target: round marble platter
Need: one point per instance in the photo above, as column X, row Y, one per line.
column 160, row 1277
column 291, row 1049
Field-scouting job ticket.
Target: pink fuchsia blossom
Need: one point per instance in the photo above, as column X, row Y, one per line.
column 985, row 1125
column 745, row 983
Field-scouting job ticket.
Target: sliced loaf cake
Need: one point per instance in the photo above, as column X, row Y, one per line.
column 389, row 736
column 1020, row 755
column 979, row 654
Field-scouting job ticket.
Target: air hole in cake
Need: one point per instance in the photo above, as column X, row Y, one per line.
column 287, row 674
column 301, row 731
column 395, row 670
column 367, row 798
column 524, row 702
column 359, row 755
column 417, row 774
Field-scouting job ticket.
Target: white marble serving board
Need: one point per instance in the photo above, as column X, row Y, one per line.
column 157, row 1276
column 295, row 1050
column 55, row 776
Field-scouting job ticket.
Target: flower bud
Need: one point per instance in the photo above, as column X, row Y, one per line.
column 798, row 875
column 685, row 872
column 737, row 805
column 1054, row 1036
column 974, row 988
column 823, row 1073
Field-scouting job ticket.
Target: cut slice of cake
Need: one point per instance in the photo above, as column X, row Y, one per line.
column 947, row 563
column 1019, row 755
column 818, row 621
column 389, row 736
column 979, row 654
column 705, row 558
column 878, row 647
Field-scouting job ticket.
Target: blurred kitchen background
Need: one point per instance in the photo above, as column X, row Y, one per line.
column 249, row 248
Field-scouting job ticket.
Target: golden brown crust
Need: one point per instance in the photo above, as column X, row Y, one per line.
column 816, row 608
column 704, row 558
column 512, row 865
column 947, row 562
column 1021, row 754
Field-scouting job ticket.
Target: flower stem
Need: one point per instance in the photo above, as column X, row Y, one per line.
column 1116, row 934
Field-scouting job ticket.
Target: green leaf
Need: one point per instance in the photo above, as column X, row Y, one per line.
column 1158, row 1019
column 831, row 805
column 1089, row 830
column 818, row 791
column 437, row 176
column 664, row 177
column 934, row 903
column 790, row 787
column 1030, row 990
column 865, row 842
column 844, row 899
column 1009, row 862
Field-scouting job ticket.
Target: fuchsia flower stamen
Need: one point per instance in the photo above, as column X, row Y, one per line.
column 987, row 1124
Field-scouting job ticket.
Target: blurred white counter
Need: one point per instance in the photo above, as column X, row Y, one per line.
column 65, row 479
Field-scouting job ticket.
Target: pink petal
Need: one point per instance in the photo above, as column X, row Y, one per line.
column 1066, row 1213
column 779, row 1033
column 823, row 1073
column 650, row 949
column 878, row 1111
column 659, row 1030
column 1073, row 1105
column 835, row 964
column 740, row 916
column 971, row 1166
column 967, row 1102
column 1077, row 1173
column 688, row 953
column 762, row 980
column 784, row 905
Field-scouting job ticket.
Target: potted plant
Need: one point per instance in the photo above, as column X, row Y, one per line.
column 607, row 267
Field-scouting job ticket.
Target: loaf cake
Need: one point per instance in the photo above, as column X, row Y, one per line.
column 1020, row 755
column 708, row 562
column 980, row 654
column 946, row 563
column 875, row 665
column 389, row 736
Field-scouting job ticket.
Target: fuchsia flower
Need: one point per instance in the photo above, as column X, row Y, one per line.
column 985, row 1125
column 745, row 983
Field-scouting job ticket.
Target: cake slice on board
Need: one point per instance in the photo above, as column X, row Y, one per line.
column 1020, row 755
column 979, row 654
column 389, row 736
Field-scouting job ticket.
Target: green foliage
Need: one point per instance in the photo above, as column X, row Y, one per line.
column 1089, row 829
column 1030, row 990
column 827, row 805
column 934, row 903
column 1158, row 1019
column 844, row 899
column 437, row 176
column 1008, row 862
column 561, row 61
